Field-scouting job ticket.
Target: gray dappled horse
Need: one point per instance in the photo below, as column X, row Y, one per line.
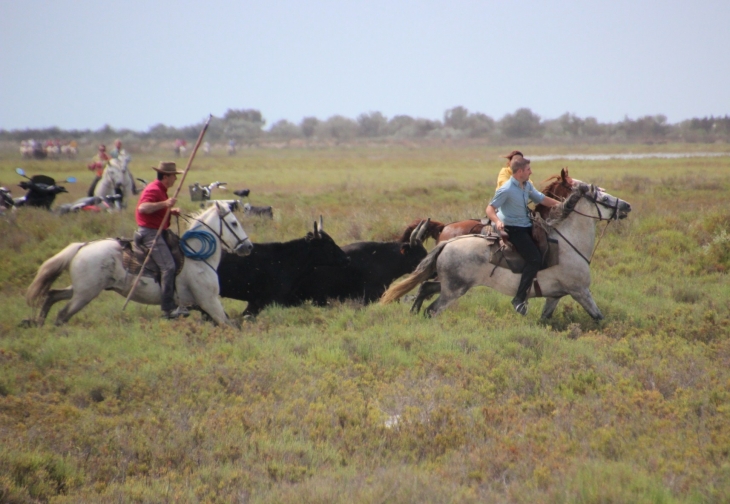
column 97, row 266
column 463, row 262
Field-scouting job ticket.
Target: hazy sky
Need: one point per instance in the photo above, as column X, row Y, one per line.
column 136, row 63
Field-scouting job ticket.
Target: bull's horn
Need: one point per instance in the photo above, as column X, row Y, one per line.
column 422, row 231
column 416, row 233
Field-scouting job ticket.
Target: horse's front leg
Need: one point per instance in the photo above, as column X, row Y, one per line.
column 585, row 299
column 214, row 309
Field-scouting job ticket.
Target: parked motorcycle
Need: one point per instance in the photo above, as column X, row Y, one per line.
column 202, row 193
column 41, row 190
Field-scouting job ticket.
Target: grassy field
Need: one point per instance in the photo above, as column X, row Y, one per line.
column 370, row 404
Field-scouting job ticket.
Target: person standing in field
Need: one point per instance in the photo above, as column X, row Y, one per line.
column 119, row 152
column 509, row 212
column 506, row 172
column 150, row 216
column 97, row 165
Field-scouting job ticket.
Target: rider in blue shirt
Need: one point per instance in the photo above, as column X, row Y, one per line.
column 509, row 212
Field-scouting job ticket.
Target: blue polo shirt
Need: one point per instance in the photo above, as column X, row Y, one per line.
column 511, row 201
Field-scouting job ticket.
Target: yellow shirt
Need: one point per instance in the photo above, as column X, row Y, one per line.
column 504, row 174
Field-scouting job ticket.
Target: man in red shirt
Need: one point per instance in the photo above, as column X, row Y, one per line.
column 151, row 208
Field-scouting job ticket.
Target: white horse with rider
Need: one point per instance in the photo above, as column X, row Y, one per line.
column 116, row 179
column 464, row 262
column 98, row 265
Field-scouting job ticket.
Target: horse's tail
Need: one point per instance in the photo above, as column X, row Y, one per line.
column 49, row 272
column 423, row 272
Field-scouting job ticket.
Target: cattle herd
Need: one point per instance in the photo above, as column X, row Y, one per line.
column 316, row 269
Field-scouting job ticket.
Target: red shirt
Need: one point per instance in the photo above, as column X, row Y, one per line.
column 154, row 192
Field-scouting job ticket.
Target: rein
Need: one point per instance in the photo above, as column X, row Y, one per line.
column 600, row 217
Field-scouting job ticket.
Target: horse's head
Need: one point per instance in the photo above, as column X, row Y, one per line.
column 115, row 170
column 603, row 205
column 233, row 237
column 559, row 187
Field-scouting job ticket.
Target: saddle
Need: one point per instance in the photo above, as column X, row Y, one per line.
column 134, row 254
column 504, row 255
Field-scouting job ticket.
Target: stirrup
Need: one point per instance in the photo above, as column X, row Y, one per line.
column 520, row 307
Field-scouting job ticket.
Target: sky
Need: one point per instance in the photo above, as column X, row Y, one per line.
column 83, row 64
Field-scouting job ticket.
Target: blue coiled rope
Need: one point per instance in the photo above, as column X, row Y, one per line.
column 207, row 248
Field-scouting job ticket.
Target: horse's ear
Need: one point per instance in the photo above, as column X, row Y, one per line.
column 316, row 230
column 563, row 173
column 321, row 224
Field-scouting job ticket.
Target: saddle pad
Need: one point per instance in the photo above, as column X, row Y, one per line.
column 133, row 257
column 505, row 257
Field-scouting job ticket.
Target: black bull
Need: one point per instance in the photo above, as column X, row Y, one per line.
column 372, row 268
column 272, row 272
column 317, row 269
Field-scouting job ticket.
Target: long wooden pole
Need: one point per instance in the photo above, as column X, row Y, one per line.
column 167, row 212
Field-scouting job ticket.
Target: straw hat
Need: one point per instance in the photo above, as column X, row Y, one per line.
column 167, row 167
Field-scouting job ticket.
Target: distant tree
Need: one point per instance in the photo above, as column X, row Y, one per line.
column 426, row 126
column 285, row 130
column 591, row 127
column 402, row 126
column 245, row 124
column 338, row 127
column 162, row 132
column 571, row 124
column 644, row 127
column 522, row 124
column 373, row 124
column 309, row 126
column 457, row 118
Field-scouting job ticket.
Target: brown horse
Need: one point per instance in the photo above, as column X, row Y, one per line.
column 557, row 187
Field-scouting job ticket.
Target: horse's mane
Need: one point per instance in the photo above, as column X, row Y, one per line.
column 559, row 213
column 550, row 184
column 196, row 216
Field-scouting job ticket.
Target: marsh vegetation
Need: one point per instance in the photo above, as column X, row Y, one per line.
column 370, row 404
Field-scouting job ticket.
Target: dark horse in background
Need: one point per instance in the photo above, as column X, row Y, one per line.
column 557, row 187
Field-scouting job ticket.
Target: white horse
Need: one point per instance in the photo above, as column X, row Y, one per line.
column 116, row 179
column 97, row 266
column 463, row 262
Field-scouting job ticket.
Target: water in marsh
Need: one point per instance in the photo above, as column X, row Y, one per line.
column 604, row 157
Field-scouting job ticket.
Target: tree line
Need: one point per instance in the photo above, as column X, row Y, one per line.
column 248, row 126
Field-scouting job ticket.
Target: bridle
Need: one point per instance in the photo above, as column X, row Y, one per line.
column 200, row 235
column 596, row 203
column 594, row 200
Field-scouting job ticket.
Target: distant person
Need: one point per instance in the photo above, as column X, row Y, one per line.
column 206, row 148
column 119, row 152
column 149, row 214
column 509, row 212
column 97, row 165
column 506, row 172
column 231, row 147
